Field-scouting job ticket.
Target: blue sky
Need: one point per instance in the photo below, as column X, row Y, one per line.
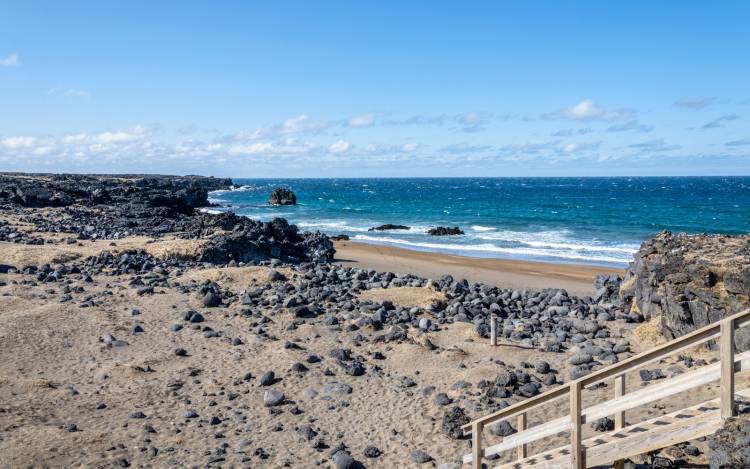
column 403, row 88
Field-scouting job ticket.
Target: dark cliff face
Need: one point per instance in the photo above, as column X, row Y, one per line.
column 690, row 281
column 179, row 193
column 113, row 207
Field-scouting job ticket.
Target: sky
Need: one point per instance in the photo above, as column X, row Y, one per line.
column 376, row 89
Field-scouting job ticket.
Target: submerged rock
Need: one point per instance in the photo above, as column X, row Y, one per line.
column 388, row 227
column 445, row 231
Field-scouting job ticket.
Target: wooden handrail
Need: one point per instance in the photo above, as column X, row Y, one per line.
column 723, row 329
column 621, row 403
column 691, row 339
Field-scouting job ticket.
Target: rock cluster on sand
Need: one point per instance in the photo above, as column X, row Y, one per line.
column 690, row 281
column 445, row 231
column 730, row 446
column 282, row 196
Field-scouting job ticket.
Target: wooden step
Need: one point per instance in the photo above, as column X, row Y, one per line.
column 659, row 432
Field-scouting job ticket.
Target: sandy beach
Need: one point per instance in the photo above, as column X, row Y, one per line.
column 516, row 274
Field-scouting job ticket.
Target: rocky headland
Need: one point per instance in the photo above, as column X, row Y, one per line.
column 688, row 281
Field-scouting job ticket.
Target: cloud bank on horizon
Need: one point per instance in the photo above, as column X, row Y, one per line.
column 350, row 90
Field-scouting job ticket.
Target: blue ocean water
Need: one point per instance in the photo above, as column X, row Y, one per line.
column 579, row 220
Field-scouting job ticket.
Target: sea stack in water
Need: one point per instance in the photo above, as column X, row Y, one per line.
column 281, row 196
column 445, row 231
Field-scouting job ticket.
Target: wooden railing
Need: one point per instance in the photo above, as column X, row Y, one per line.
column 724, row 370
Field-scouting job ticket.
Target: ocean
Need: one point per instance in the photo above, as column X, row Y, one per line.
column 599, row 221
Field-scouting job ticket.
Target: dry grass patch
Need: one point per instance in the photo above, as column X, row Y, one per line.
column 242, row 276
column 404, row 296
column 23, row 254
column 182, row 249
column 647, row 335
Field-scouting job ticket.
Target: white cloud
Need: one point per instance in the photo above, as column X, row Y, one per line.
column 587, row 110
column 409, row 147
column 293, row 126
column 72, row 92
column 656, row 145
column 339, row 147
column 470, row 122
column 288, row 147
column 720, row 121
column 365, row 120
column 571, row 132
column 630, row 125
column 252, row 149
column 120, row 136
column 738, row 143
column 580, row 147
column 694, row 103
column 10, row 61
column 18, row 142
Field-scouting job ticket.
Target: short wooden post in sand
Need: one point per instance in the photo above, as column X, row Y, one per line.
column 493, row 330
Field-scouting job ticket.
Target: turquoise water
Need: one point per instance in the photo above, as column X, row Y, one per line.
column 580, row 220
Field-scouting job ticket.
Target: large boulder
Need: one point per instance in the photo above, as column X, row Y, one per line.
column 282, row 196
column 689, row 281
column 453, row 420
column 254, row 241
column 729, row 447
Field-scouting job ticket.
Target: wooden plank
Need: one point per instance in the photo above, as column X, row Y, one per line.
column 577, row 460
column 661, row 437
column 651, row 393
column 682, row 343
column 476, row 442
column 726, row 348
column 521, row 424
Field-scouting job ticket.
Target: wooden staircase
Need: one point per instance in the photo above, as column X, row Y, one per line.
column 631, row 440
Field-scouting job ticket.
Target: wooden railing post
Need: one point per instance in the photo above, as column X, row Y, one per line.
column 726, row 349
column 577, row 456
column 493, row 330
column 619, row 416
column 476, row 445
column 521, row 424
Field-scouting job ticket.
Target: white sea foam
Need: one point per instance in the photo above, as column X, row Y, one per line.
column 211, row 210
column 489, row 248
column 482, row 228
column 554, row 240
column 331, row 226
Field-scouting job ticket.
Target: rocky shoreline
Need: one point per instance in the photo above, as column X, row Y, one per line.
column 252, row 342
